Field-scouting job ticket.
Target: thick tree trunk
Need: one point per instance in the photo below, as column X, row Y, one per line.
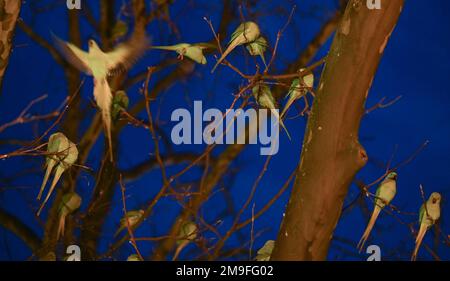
column 331, row 153
column 9, row 12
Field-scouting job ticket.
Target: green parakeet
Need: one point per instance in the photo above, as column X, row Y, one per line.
column 70, row 203
column 133, row 217
column 297, row 90
column 62, row 154
column 119, row 30
column 257, row 48
column 134, row 257
column 245, row 33
column 188, row 233
column 100, row 65
column 384, row 195
column 120, row 102
column 427, row 217
column 264, row 98
column 265, row 252
column 192, row 51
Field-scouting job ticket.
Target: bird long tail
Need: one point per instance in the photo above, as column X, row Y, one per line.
column 420, row 235
column 103, row 97
column 118, row 231
column 61, row 226
column 277, row 115
column 50, row 166
column 369, row 227
column 59, row 171
column 167, row 48
column 230, row 48
column 263, row 59
column 286, row 107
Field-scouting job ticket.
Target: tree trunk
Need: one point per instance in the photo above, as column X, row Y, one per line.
column 331, row 153
column 9, row 12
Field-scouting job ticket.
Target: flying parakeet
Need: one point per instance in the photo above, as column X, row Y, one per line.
column 132, row 216
column 192, row 51
column 257, row 48
column 62, row 153
column 70, row 203
column 265, row 252
column 297, row 90
column 100, row 65
column 247, row 32
column 384, row 195
column 188, row 233
column 429, row 214
column 264, row 98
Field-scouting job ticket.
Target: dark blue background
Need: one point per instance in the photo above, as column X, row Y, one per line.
column 415, row 65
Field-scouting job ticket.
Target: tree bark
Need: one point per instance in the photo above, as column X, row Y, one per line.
column 331, row 152
column 9, row 12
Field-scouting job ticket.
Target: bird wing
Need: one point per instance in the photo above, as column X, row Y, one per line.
column 205, row 45
column 422, row 213
column 126, row 54
column 239, row 31
column 196, row 54
column 295, row 88
column 73, row 55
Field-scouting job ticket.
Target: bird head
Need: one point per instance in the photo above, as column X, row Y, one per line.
column 435, row 198
column 251, row 30
column 92, row 45
column 392, row 176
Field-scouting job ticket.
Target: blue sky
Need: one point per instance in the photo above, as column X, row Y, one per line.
column 415, row 66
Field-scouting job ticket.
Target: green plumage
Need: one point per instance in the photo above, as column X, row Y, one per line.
column 298, row 90
column 257, row 48
column 246, row 32
column 192, row 51
column 385, row 193
column 265, row 99
column 70, row 203
column 265, row 252
column 120, row 102
column 62, row 154
column 132, row 217
column 429, row 213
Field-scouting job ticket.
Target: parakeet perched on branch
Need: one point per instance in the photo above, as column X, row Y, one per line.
column 429, row 213
column 384, row 195
column 69, row 204
column 264, row 98
column 247, row 32
column 100, row 65
column 265, row 252
column 188, row 233
column 134, row 257
column 62, row 154
column 120, row 102
column 257, row 48
column 298, row 90
column 133, row 217
column 192, row 51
